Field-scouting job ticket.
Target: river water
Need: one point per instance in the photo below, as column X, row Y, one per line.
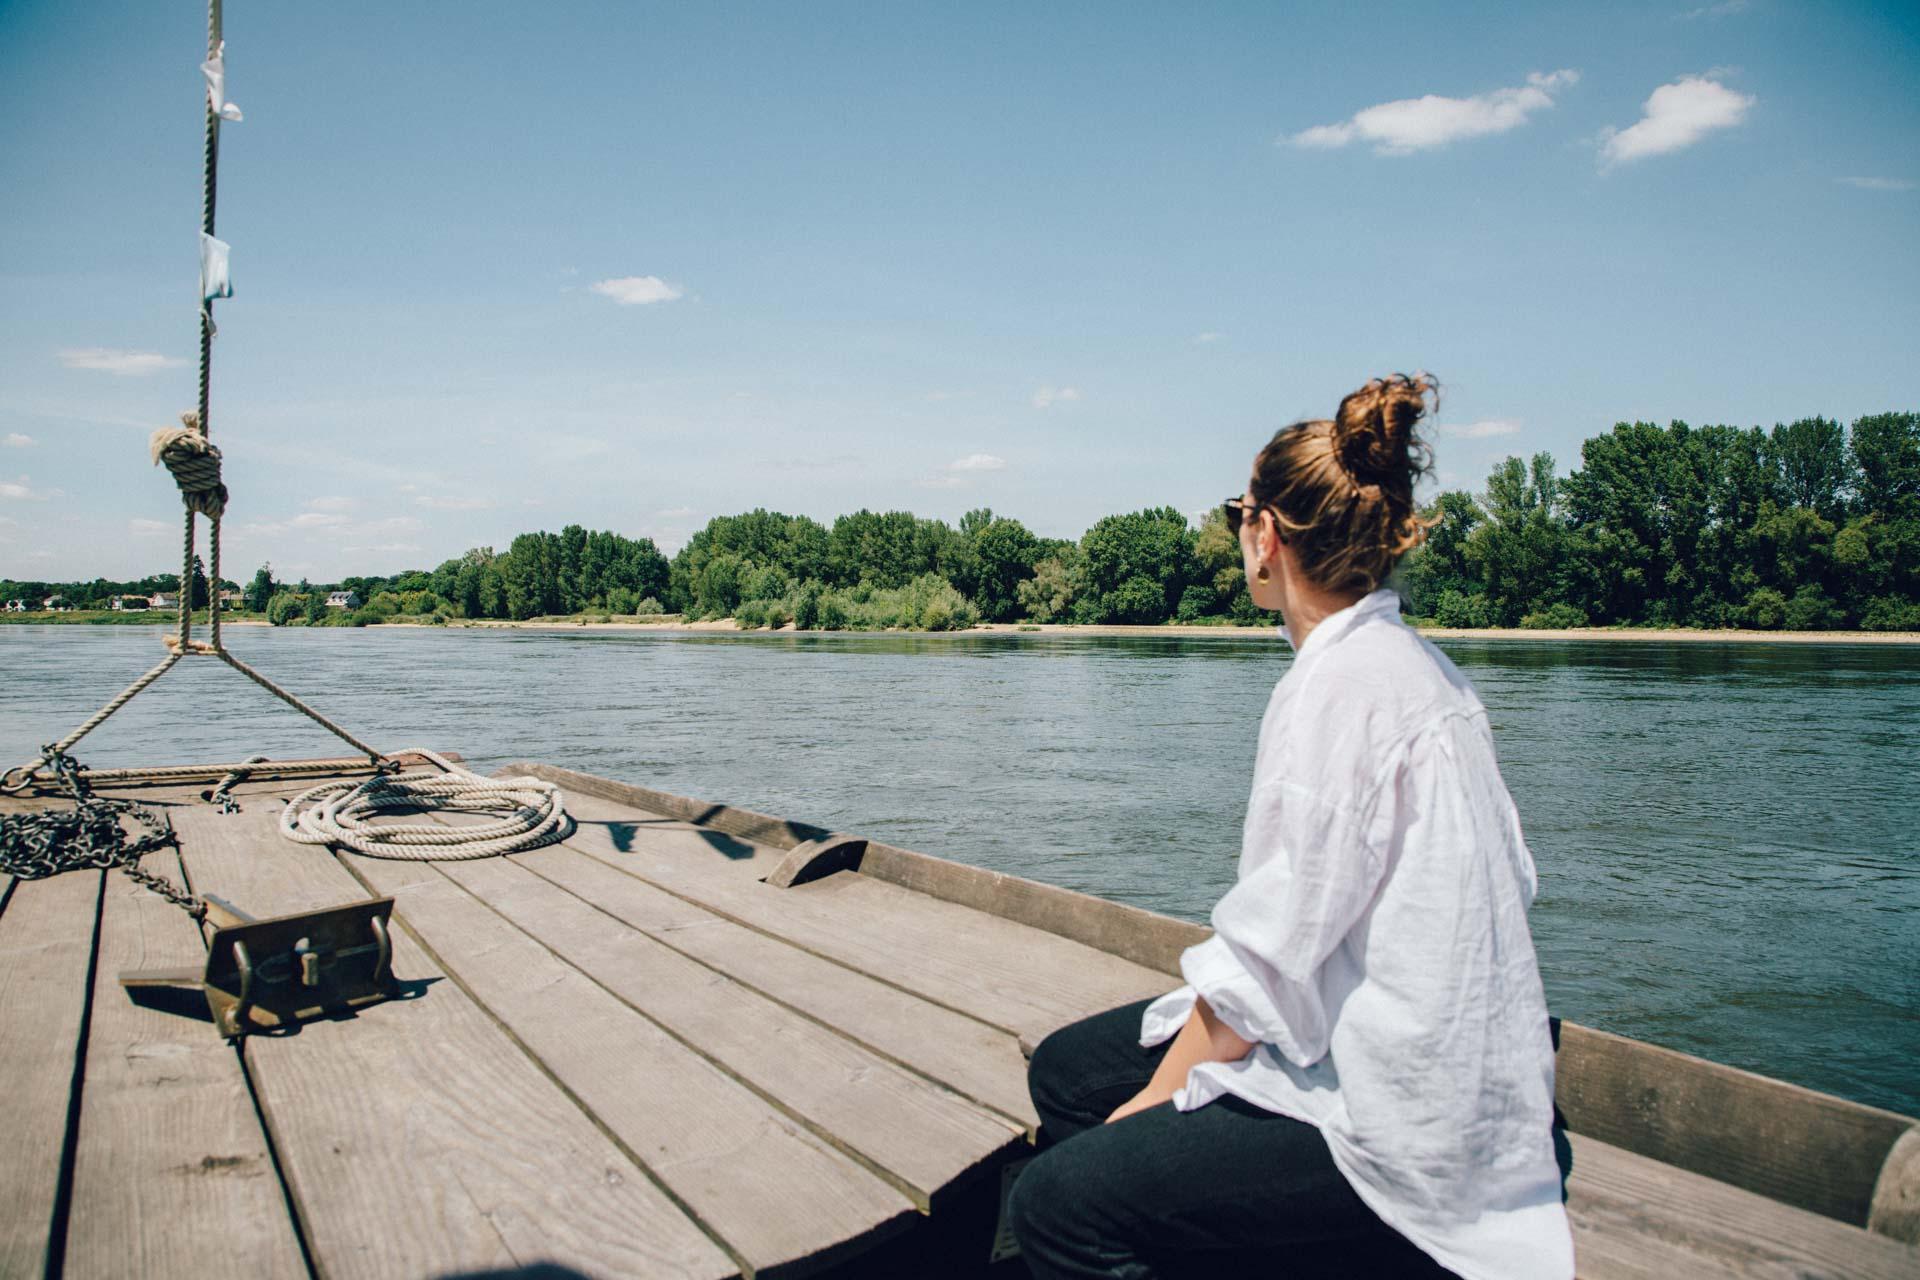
column 1726, row 833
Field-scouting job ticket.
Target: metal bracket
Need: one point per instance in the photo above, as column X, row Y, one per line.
column 262, row 974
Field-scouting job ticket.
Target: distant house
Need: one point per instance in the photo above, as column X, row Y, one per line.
column 56, row 604
column 343, row 600
column 232, row 598
column 164, row 600
column 129, row 604
column 16, row 606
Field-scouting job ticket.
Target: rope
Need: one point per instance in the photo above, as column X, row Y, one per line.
column 529, row 813
column 195, row 463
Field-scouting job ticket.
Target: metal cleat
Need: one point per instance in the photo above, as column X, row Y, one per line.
column 263, row 974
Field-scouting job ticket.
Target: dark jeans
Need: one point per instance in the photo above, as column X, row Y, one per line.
column 1165, row 1192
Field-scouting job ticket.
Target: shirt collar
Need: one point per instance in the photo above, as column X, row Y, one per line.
column 1385, row 601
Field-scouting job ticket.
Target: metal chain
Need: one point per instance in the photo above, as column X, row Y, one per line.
column 88, row 836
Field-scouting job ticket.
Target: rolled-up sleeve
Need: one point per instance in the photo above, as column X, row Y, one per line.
column 1262, row 971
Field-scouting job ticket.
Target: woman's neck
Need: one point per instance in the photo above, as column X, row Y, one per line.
column 1305, row 606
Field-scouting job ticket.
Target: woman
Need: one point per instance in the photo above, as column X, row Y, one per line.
column 1357, row 1078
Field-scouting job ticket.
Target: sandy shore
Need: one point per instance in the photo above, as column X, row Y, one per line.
column 1627, row 635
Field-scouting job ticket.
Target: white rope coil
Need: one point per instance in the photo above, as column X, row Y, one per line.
column 529, row 813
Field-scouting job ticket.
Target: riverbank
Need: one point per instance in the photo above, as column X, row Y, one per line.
column 1628, row 634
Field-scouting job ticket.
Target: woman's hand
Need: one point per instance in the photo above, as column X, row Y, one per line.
column 1204, row 1039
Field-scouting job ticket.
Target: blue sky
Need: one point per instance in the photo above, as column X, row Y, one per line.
column 506, row 266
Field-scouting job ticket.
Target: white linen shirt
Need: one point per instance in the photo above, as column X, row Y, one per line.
column 1375, row 950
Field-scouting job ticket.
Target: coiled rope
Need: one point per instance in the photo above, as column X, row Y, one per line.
column 194, row 462
column 342, row 813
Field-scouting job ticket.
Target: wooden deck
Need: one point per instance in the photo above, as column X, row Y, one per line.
column 631, row 1054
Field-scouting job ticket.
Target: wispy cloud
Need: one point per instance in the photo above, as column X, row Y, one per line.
column 1207, row 339
column 674, row 513
column 141, row 527
column 961, row 470
column 453, row 502
column 1047, row 397
column 14, row 440
column 127, row 364
column 22, row 490
column 1725, row 9
column 386, row 547
column 1877, row 184
column 317, row 520
column 1482, row 430
column 637, row 291
column 1419, row 124
column 1675, row 117
column 332, row 504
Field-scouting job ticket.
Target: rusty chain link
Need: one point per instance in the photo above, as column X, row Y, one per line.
column 88, row 836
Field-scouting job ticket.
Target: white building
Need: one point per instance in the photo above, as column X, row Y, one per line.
column 343, row 600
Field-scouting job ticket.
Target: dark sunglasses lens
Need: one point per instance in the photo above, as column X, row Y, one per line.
column 1232, row 509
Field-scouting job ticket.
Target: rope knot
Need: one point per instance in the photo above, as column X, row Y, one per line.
column 195, row 463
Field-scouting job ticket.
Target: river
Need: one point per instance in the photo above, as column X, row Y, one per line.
column 1726, row 833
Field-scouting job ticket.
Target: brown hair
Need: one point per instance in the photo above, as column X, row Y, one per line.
column 1342, row 489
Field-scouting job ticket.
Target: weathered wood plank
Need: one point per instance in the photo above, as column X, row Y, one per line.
column 47, row 930
column 1015, row 977
column 1638, row 1219
column 171, row 1155
column 721, row 1149
column 924, row 1135
column 1800, row 1147
column 1144, row 937
column 967, row 1055
column 416, row 1137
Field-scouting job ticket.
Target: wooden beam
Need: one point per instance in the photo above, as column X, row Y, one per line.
column 416, row 1137
column 173, row 1176
column 47, row 931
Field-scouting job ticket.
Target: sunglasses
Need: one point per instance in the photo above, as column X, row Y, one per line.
column 1236, row 510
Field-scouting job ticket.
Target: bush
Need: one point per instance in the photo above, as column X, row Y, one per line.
column 1811, row 610
column 1457, row 609
column 648, row 608
column 806, row 607
column 1555, row 617
column 1891, row 613
column 751, row 615
column 1196, row 602
column 622, row 600
column 1139, row 600
column 833, row 613
column 286, row 607
column 1766, row 609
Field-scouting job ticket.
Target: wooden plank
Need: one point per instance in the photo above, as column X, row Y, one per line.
column 1144, row 937
column 47, row 930
column 1638, row 1219
column 926, row 1137
column 967, row 1055
column 416, row 1137
column 1010, row 975
column 1896, row 1194
column 720, row 1148
column 1803, row 1148
column 172, row 1176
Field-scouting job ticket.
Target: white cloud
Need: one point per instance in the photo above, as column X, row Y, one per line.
column 127, row 364
column 332, row 504
column 455, row 502
column 386, row 547
column 1482, row 430
column 960, row 471
column 318, row 520
column 1205, row 339
column 978, row 462
column 674, row 513
column 1865, row 184
column 637, row 291
column 1725, row 9
column 14, row 440
column 1417, row 124
column 1047, row 397
column 1675, row 117
column 141, row 527
column 22, row 490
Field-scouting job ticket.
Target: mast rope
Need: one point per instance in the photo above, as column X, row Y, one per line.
column 335, row 812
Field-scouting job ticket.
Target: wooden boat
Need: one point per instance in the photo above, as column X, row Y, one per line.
column 692, row 1040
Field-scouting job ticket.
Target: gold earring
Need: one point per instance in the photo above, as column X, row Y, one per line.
column 1263, row 575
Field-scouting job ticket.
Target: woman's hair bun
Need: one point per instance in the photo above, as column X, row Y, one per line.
column 1373, row 433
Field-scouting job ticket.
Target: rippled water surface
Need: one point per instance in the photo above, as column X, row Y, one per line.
column 1726, row 834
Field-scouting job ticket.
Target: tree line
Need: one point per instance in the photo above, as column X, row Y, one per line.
column 1809, row 526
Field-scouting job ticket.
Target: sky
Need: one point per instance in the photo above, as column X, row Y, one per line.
column 504, row 267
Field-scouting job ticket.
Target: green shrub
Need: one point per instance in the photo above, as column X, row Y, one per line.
column 648, row 608
column 1196, row 602
column 1891, row 613
column 1555, row 617
column 623, row 600
column 751, row 615
column 1766, row 609
column 1811, row 610
column 1457, row 609
column 833, row 612
column 806, row 607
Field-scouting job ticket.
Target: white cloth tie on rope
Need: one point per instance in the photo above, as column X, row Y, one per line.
column 215, row 70
column 215, row 281
column 527, row 813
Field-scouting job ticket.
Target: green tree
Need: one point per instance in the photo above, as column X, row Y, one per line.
column 261, row 590
column 1127, row 554
column 1811, row 457
column 1002, row 554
